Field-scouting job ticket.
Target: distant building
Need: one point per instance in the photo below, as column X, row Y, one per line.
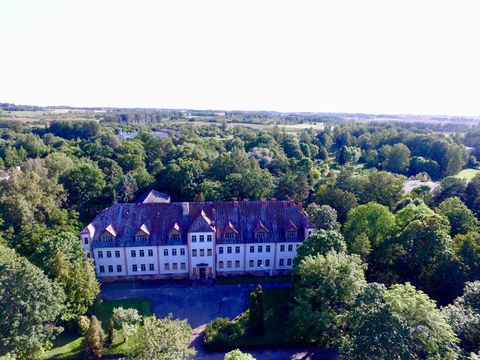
column 410, row 185
column 156, row 239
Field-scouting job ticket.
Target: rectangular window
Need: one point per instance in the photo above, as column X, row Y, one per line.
column 209, row 252
column 220, row 250
column 142, row 237
column 107, row 238
column 267, row 248
column 151, row 267
column 291, row 234
column 150, row 252
column 237, row 249
column 166, row 266
column 209, row 238
column 175, row 237
column 289, row 262
column 117, row 253
column 194, row 252
column 290, row 247
column 202, row 252
column 220, row 264
column 252, row 249
column 282, row 248
column 202, row 238
column 119, row 268
column 194, row 270
column 183, row 266
column 281, row 262
column 194, row 238
column 229, row 264
column 259, row 262
column 109, row 254
column 110, row 268
column 165, row 252
column 85, row 241
column 143, row 267
column 133, row 253
column 229, row 235
column 267, row 262
column 100, row 254
column 260, row 249
column 102, row 268
column 237, row 263
column 134, row 267
column 229, row 249
column 260, row 235
column 142, row 253
column 175, row 266
column 251, row 263
column 174, row 252
column 182, row 251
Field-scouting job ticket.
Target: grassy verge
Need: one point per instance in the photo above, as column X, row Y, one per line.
column 276, row 318
column 251, row 279
column 69, row 344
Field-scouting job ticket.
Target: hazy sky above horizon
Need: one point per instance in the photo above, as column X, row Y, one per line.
column 370, row 56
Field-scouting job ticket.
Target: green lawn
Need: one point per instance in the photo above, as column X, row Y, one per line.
column 69, row 344
column 276, row 319
column 467, row 174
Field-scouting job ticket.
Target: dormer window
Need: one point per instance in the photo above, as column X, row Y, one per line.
column 230, row 235
column 174, row 236
column 291, row 234
column 107, row 238
column 142, row 237
column 260, row 235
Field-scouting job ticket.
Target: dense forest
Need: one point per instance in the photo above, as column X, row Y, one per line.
column 392, row 249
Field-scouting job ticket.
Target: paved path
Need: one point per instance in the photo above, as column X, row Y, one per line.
column 199, row 304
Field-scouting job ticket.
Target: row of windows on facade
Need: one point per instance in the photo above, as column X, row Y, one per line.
column 281, row 262
column 143, row 267
column 229, row 250
column 230, row 235
column 252, row 249
column 141, row 253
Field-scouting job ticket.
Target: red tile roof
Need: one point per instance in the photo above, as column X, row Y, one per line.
column 160, row 218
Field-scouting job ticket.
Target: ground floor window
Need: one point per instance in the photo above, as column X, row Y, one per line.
column 119, row 268
column 101, row 268
column 151, row 267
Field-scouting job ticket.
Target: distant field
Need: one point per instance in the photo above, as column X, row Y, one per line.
column 467, row 174
column 41, row 116
column 288, row 127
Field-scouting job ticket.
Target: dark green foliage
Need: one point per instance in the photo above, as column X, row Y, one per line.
column 256, row 314
column 110, row 334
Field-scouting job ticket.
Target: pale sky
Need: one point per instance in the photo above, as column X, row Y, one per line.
column 329, row 56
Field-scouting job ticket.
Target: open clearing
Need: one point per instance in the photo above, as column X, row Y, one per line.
column 467, row 174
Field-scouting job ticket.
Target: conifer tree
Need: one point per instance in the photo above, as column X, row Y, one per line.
column 94, row 338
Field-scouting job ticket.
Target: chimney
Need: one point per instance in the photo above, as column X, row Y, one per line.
column 235, row 202
column 185, row 208
column 263, row 202
column 214, row 216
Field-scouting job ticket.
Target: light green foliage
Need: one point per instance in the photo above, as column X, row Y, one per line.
column 238, row 355
column 370, row 222
column 163, row 339
column 324, row 290
column 83, row 323
column 126, row 319
column 410, row 213
column 130, row 155
column 460, row 217
column 398, row 323
column 323, row 217
column 320, row 243
column 30, row 304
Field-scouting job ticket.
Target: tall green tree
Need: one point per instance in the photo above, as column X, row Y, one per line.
column 163, row 339
column 324, row 290
column 30, row 305
column 94, row 339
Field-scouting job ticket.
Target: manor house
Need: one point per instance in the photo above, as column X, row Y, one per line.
column 158, row 239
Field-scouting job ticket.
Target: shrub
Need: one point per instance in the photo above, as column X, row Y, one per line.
column 83, row 323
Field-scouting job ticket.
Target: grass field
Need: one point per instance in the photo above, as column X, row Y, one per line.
column 251, row 279
column 69, row 344
column 467, row 174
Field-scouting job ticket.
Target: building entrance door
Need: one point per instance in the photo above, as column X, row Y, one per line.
column 202, row 272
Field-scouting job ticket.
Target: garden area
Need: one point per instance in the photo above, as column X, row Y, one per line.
column 223, row 334
column 68, row 344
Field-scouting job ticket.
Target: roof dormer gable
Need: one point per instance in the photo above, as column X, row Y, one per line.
column 260, row 227
column 143, row 230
